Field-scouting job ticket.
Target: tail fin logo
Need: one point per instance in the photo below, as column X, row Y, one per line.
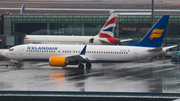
column 156, row 33
column 111, row 21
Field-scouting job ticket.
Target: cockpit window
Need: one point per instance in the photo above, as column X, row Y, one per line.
column 11, row 49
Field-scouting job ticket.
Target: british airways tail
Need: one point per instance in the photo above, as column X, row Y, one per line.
column 22, row 9
column 109, row 27
column 154, row 38
column 106, row 34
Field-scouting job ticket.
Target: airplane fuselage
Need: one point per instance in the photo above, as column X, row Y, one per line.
column 52, row 39
column 94, row 53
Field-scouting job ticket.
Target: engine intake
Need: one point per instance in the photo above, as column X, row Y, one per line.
column 57, row 61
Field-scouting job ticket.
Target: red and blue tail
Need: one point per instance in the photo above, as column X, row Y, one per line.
column 107, row 32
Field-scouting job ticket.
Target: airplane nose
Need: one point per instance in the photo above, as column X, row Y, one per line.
column 4, row 54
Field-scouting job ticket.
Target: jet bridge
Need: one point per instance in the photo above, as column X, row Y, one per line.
column 7, row 41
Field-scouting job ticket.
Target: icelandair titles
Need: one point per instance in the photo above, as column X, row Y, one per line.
column 42, row 48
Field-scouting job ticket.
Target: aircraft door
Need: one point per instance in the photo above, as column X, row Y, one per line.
column 91, row 41
column 21, row 49
column 135, row 53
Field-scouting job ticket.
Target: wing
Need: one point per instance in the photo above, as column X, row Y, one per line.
column 77, row 57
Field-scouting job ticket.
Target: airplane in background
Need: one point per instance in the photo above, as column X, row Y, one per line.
column 22, row 9
column 104, row 37
column 63, row 55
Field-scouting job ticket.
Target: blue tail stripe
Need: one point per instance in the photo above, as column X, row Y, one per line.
column 157, row 38
column 110, row 29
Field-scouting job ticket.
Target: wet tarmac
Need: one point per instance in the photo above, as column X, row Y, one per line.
column 160, row 76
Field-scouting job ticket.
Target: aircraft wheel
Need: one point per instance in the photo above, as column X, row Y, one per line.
column 88, row 65
column 81, row 66
column 18, row 66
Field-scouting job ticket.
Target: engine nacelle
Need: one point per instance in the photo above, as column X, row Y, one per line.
column 57, row 61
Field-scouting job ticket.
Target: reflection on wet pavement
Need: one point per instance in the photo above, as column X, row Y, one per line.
column 156, row 77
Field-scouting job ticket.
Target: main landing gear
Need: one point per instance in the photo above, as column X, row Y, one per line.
column 17, row 65
column 88, row 66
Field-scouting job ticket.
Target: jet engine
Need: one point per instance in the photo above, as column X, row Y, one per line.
column 58, row 61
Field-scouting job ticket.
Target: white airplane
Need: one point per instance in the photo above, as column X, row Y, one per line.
column 63, row 55
column 104, row 37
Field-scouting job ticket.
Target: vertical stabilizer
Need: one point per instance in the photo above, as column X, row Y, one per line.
column 22, row 9
column 109, row 27
column 155, row 36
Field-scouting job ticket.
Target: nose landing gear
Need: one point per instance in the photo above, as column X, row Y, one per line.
column 17, row 65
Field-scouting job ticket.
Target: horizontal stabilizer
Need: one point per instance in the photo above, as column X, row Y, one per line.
column 168, row 47
column 124, row 40
column 155, row 49
column 160, row 49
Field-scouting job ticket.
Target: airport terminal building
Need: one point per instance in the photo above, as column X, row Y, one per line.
column 129, row 26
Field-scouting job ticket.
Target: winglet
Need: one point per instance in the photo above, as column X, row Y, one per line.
column 83, row 51
column 22, row 9
column 127, row 43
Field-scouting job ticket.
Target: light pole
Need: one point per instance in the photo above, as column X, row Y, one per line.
column 152, row 13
